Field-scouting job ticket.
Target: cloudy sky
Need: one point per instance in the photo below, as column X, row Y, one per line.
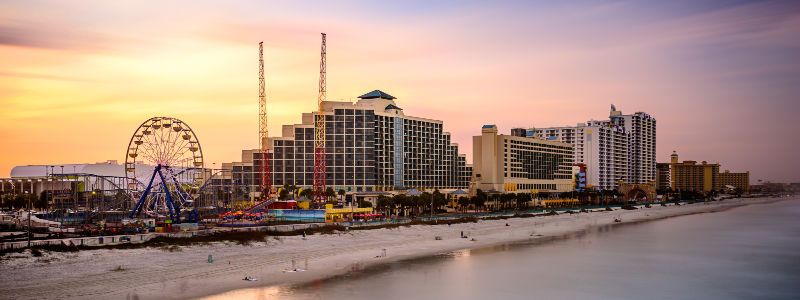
column 721, row 77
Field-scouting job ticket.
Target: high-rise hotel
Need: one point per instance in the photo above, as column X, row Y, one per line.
column 602, row 147
column 370, row 145
column 622, row 148
column 641, row 128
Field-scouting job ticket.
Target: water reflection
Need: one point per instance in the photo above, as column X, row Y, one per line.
column 254, row 293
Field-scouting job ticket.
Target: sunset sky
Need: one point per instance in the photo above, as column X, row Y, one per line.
column 721, row 77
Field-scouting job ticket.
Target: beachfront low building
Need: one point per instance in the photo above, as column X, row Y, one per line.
column 703, row 177
column 520, row 164
column 691, row 176
column 734, row 180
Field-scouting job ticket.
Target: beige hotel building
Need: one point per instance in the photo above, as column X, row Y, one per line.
column 520, row 164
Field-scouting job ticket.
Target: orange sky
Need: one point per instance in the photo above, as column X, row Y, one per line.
column 76, row 79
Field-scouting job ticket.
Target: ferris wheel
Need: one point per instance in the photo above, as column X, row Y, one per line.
column 164, row 168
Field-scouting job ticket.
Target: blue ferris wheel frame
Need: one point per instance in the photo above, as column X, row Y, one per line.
column 174, row 211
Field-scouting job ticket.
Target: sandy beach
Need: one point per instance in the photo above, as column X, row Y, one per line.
column 154, row 273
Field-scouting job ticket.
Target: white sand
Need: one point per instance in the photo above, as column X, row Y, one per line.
column 152, row 273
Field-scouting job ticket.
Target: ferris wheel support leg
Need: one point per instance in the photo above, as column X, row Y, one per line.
column 180, row 191
column 154, row 203
column 170, row 204
column 139, row 204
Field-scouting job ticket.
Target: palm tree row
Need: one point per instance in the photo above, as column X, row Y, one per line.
column 23, row 201
column 405, row 205
column 292, row 190
column 415, row 205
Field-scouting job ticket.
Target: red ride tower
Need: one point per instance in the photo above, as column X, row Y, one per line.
column 263, row 134
column 319, row 134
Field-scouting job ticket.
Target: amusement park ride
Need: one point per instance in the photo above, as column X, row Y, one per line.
column 319, row 132
column 263, row 137
column 171, row 148
column 319, row 136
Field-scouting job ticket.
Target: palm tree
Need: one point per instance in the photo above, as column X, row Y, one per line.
column 481, row 198
column 413, row 203
column 329, row 193
column 425, row 202
column 308, row 193
column 478, row 201
column 43, row 200
column 463, row 202
column 495, row 198
column 402, row 201
column 668, row 194
column 439, row 200
column 508, row 199
column 364, row 203
column 385, row 204
column 286, row 187
column 290, row 189
column 522, row 200
column 5, row 199
column 499, row 201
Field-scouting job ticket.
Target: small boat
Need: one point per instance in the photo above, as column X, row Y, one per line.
column 617, row 220
column 249, row 278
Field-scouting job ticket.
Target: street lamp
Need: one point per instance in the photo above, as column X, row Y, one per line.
column 61, row 183
column 352, row 210
column 29, row 219
column 52, row 183
column 431, row 206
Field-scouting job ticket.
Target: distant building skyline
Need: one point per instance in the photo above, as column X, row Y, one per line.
column 77, row 78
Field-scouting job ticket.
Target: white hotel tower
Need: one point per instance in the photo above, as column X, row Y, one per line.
column 622, row 148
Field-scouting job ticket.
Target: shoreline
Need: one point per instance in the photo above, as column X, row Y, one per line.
column 185, row 273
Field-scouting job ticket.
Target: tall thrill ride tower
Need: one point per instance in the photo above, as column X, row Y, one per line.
column 263, row 133
column 319, row 133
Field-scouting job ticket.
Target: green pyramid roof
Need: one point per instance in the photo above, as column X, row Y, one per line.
column 377, row 94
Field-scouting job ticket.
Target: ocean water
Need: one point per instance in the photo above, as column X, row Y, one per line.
column 750, row 252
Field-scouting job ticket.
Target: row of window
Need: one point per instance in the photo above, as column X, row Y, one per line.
column 536, row 186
